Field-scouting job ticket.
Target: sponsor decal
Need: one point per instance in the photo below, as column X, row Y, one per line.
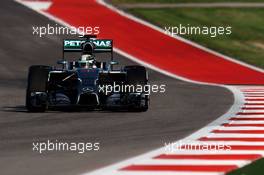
column 76, row 44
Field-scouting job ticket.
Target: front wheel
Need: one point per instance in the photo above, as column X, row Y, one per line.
column 36, row 95
column 138, row 75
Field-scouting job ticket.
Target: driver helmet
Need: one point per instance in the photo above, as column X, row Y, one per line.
column 85, row 61
column 87, row 58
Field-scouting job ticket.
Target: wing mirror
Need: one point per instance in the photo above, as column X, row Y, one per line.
column 114, row 63
column 64, row 63
column 111, row 64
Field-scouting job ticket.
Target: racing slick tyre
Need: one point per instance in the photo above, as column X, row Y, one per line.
column 36, row 96
column 137, row 75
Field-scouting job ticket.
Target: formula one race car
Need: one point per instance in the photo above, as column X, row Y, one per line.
column 86, row 82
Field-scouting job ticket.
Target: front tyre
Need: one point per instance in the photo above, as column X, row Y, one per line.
column 137, row 75
column 36, row 94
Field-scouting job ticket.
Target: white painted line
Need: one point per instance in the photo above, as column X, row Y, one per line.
column 253, row 111
column 165, row 173
column 219, row 152
column 253, row 93
column 255, row 97
column 257, row 102
column 249, row 91
column 241, row 128
column 247, row 122
column 192, row 162
column 38, row 5
column 228, row 143
column 253, row 106
column 235, row 135
column 249, row 116
column 247, row 87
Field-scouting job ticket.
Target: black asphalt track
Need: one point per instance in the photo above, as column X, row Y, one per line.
column 181, row 110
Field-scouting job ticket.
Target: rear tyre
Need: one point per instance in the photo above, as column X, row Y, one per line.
column 137, row 75
column 36, row 95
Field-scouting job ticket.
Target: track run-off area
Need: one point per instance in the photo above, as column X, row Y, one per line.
column 241, row 129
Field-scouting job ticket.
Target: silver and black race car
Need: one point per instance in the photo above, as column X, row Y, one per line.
column 87, row 82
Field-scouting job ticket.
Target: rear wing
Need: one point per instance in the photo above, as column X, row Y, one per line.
column 75, row 45
column 101, row 45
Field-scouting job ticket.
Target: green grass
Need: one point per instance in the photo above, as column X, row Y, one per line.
column 181, row 1
column 246, row 42
column 256, row 168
